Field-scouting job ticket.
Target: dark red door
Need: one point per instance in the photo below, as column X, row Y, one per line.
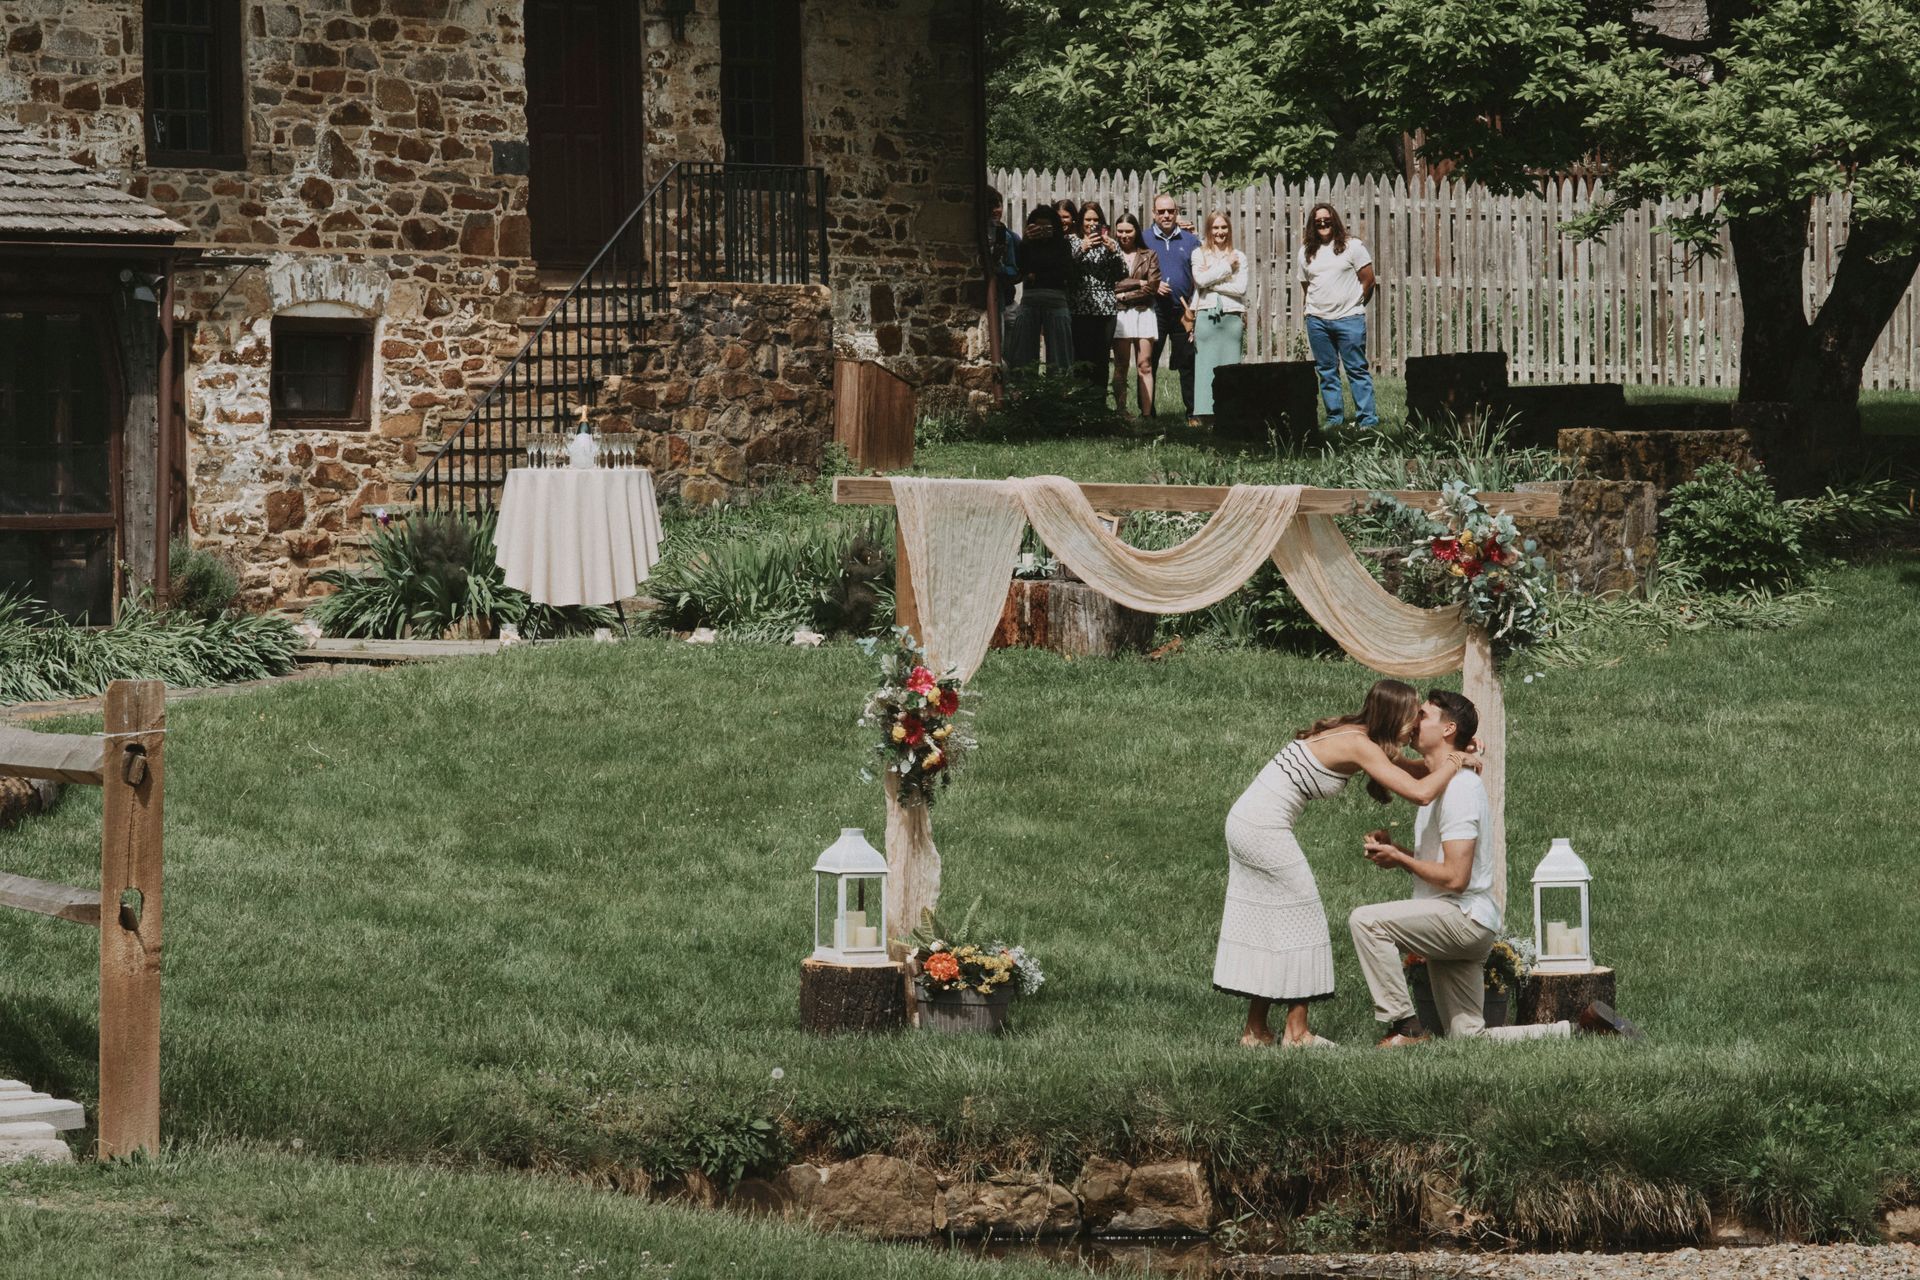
column 580, row 131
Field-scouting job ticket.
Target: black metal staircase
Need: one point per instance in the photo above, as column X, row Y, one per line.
column 761, row 224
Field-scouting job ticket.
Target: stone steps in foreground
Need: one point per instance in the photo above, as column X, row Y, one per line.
column 30, row 1123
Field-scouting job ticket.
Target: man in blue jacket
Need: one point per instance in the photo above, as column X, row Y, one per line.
column 1172, row 240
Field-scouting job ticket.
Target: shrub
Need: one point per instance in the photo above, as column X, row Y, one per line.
column 434, row 573
column 1864, row 514
column 1039, row 405
column 43, row 656
column 1728, row 525
column 200, row 583
column 833, row 578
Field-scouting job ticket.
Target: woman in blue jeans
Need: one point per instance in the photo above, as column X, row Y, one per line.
column 1336, row 275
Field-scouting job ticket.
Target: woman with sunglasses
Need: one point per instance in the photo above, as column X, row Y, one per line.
column 1336, row 277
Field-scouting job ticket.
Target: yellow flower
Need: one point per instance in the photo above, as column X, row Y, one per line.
column 940, row 734
column 934, row 757
column 899, row 733
column 1456, row 571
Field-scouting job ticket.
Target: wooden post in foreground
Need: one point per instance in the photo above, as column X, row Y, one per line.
column 906, row 606
column 132, row 770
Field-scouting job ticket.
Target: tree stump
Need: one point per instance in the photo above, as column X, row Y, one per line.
column 836, row 998
column 1070, row 618
column 1559, row 997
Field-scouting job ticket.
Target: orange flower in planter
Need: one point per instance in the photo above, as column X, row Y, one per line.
column 941, row 966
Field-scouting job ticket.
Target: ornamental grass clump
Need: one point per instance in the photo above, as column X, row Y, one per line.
column 44, row 657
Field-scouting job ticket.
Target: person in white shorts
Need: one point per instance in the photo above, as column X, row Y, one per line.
column 1136, row 327
column 1453, row 917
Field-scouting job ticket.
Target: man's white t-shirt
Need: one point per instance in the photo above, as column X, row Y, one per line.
column 1460, row 813
column 1334, row 291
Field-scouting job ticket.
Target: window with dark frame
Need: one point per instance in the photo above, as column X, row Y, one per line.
column 760, row 100
column 322, row 373
column 195, row 83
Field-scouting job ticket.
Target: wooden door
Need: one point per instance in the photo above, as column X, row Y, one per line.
column 583, row 124
column 59, row 457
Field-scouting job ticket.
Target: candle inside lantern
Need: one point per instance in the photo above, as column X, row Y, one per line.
column 866, row 936
column 1559, row 943
column 854, row 920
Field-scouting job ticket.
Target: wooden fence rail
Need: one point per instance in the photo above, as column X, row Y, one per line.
column 128, row 764
column 1463, row 269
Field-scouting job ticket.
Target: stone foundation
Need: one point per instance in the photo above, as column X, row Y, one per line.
column 1604, row 538
column 1662, row 459
column 739, row 392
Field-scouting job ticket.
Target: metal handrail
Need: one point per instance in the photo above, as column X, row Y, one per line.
column 701, row 221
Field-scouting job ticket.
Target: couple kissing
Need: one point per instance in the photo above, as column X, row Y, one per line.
column 1274, row 943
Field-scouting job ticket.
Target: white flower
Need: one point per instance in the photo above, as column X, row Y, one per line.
column 779, row 1073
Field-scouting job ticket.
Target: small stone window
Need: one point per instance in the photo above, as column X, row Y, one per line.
column 760, row 98
column 322, row 373
column 196, row 84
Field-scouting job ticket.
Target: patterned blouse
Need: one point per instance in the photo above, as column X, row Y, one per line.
column 1096, row 271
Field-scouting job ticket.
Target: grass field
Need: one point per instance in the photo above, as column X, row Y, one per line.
column 546, row 909
column 224, row 1214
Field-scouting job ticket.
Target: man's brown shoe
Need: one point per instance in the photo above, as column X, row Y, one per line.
column 1599, row 1019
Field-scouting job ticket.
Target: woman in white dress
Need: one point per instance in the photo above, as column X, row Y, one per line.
column 1274, row 945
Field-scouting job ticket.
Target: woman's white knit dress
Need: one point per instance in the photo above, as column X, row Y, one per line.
column 1273, row 934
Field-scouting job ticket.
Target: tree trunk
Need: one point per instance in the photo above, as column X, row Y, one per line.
column 1769, row 258
column 1855, row 314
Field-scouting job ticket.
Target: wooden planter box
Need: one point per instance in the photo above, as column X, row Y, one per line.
column 965, row 1012
column 1462, row 385
column 1495, row 1010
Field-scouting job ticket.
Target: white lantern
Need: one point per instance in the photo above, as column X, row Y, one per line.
column 850, row 902
column 1561, row 923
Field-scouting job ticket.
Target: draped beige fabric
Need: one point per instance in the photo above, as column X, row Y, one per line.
column 961, row 537
column 1205, row 569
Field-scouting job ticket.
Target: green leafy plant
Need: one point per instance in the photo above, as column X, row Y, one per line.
column 434, row 573
column 1730, row 527
column 200, row 583
column 832, row 577
column 43, row 656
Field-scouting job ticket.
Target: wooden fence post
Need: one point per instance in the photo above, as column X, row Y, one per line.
column 132, row 772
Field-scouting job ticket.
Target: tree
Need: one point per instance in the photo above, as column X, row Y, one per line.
column 1781, row 102
column 1239, row 89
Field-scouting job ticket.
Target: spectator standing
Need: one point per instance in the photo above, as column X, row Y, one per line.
column 1098, row 266
column 1069, row 215
column 1336, row 276
column 1173, row 243
column 1003, row 260
column 1135, row 325
column 1220, row 282
column 1046, row 269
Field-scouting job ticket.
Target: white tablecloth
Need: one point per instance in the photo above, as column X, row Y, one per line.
column 578, row 537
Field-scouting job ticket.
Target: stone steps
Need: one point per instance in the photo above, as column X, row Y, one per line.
column 30, row 1123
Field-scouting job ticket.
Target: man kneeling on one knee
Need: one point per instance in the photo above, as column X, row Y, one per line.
column 1453, row 917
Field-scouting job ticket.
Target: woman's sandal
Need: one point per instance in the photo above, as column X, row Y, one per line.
column 1311, row 1042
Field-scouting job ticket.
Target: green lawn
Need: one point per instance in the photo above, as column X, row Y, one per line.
column 547, row 909
column 219, row 1213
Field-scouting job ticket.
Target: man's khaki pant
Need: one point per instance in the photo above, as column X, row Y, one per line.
column 1456, row 951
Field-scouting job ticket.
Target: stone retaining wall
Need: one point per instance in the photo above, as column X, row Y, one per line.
column 1660, row 458
column 1605, row 537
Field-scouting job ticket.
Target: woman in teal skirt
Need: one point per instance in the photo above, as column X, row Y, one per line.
column 1219, row 308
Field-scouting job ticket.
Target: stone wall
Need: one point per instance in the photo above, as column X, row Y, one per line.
column 285, row 503
column 1604, row 539
column 1661, row 458
column 739, row 392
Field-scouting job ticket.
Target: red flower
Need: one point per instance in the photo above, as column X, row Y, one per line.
column 945, row 701
column 916, row 730
column 1446, row 550
column 921, row 681
column 1471, row 568
column 1494, row 552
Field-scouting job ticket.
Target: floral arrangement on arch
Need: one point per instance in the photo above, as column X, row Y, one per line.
column 919, row 722
column 1483, row 562
column 947, row 959
column 1509, row 961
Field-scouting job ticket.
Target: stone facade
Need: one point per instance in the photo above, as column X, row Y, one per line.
column 386, row 177
column 1661, row 458
column 736, row 394
column 1606, row 537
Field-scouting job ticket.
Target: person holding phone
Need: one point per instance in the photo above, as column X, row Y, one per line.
column 1098, row 266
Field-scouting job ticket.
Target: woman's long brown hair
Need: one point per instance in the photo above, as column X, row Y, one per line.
column 1311, row 238
column 1391, row 708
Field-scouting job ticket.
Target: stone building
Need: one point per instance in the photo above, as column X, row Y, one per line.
column 383, row 202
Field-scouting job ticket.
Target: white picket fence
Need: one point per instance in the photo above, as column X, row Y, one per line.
column 1463, row 269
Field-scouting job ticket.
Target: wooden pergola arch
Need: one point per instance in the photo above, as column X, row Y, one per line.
column 1118, row 498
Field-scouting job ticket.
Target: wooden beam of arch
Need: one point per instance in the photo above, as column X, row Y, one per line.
column 877, row 491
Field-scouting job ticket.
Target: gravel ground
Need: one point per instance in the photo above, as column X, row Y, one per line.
column 1774, row 1262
